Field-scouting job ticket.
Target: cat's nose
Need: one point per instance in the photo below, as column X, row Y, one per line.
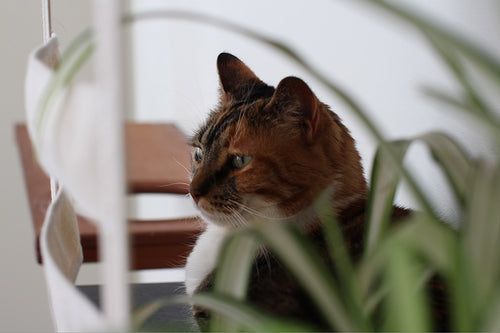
column 195, row 194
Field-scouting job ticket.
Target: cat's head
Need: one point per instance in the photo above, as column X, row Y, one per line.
column 267, row 153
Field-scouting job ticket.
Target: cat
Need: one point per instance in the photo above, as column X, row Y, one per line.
column 270, row 152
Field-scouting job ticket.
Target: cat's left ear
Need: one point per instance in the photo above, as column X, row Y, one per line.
column 294, row 97
column 238, row 81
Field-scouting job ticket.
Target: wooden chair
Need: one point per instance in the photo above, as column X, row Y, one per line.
column 156, row 156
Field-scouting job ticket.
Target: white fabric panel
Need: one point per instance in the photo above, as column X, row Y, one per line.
column 62, row 258
column 66, row 140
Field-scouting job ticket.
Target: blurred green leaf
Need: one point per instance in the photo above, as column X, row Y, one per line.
column 492, row 319
column 449, row 57
column 489, row 64
column 246, row 315
column 298, row 254
column 462, row 104
column 434, row 241
column 340, row 256
column 385, row 178
column 487, row 121
column 233, row 274
column 141, row 314
column 462, row 290
column 384, row 181
column 406, row 307
column 481, row 229
column 450, row 157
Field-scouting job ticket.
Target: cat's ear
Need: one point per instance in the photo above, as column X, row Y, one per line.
column 235, row 77
column 294, row 98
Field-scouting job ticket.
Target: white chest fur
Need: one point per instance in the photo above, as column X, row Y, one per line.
column 203, row 258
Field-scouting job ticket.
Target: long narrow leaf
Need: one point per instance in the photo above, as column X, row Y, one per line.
column 385, row 177
column 492, row 319
column 449, row 57
column 482, row 227
column 433, row 240
column 455, row 163
column 485, row 61
column 141, row 314
column 296, row 252
column 463, row 297
column 406, row 305
column 233, row 274
column 342, row 260
column 384, row 181
column 462, row 105
column 234, row 265
column 246, row 315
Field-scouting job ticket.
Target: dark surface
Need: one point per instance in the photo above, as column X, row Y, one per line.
column 172, row 318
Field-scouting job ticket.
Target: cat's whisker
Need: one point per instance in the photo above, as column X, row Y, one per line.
column 257, row 213
column 243, row 220
column 173, row 184
column 236, row 219
column 180, row 164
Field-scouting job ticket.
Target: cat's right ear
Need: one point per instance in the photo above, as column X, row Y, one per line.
column 235, row 77
column 295, row 100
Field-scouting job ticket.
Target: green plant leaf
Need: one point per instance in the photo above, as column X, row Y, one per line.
column 452, row 159
column 406, row 307
column 342, row 261
column 246, row 315
column 488, row 121
column 296, row 252
column 481, row 229
column 384, row 181
column 472, row 96
column 492, row 319
column 233, row 274
column 434, row 241
column 143, row 313
column 461, row 104
column 489, row 64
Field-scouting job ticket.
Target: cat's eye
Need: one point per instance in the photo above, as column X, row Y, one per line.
column 241, row 161
column 198, row 154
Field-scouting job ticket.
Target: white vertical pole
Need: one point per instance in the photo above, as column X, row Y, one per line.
column 46, row 33
column 46, row 20
column 113, row 236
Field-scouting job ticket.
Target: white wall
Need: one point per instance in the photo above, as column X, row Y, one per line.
column 23, row 305
column 375, row 58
